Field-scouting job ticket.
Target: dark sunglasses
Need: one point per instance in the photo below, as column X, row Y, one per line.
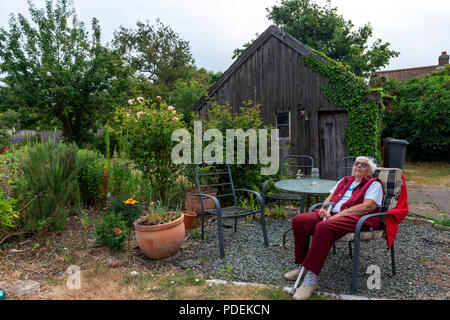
column 363, row 164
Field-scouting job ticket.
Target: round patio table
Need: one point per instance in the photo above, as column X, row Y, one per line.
column 306, row 188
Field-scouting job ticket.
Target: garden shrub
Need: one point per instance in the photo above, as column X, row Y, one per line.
column 148, row 127
column 91, row 165
column 48, row 185
column 245, row 176
column 122, row 178
column 418, row 111
column 127, row 211
column 8, row 216
column 9, row 171
column 112, row 231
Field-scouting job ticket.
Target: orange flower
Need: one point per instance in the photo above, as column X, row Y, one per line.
column 130, row 201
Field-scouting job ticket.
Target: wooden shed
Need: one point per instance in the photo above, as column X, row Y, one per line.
column 271, row 73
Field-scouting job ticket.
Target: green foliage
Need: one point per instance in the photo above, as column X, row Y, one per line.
column 363, row 134
column 148, row 127
column 160, row 214
column 9, row 173
column 122, row 178
column 185, row 95
column 245, row 176
column 47, row 186
column 55, row 71
column 90, row 177
column 112, row 232
column 127, row 212
column 418, row 111
column 323, row 29
column 156, row 52
column 8, row 216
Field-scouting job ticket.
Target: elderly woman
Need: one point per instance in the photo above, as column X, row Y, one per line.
column 354, row 196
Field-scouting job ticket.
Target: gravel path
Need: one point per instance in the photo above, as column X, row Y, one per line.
column 422, row 260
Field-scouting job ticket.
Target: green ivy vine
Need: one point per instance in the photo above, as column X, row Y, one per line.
column 363, row 134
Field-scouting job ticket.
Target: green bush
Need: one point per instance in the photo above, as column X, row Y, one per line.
column 48, row 185
column 245, row 176
column 418, row 111
column 112, row 232
column 90, row 176
column 123, row 179
column 8, row 216
column 147, row 128
column 127, row 212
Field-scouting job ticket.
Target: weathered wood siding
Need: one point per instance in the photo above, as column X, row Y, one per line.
column 275, row 77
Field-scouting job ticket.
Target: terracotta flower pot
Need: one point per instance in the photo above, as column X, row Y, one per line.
column 192, row 202
column 189, row 218
column 160, row 241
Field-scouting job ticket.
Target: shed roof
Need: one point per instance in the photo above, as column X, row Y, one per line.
column 272, row 31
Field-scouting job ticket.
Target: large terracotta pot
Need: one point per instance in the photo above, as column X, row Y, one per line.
column 192, row 202
column 160, row 241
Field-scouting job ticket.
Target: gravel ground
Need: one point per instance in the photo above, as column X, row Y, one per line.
column 422, row 260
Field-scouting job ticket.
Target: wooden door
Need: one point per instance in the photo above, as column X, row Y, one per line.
column 332, row 125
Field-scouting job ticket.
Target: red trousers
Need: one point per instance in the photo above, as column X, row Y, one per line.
column 324, row 233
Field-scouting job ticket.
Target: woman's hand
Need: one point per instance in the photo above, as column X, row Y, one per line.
column 323, row 214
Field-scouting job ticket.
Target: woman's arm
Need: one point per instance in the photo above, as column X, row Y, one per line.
column 322, row 211
column 358, row 210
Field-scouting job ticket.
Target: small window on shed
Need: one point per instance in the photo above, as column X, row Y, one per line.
column 283, row 124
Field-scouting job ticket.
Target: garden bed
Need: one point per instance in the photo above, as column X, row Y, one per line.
column 422, row 256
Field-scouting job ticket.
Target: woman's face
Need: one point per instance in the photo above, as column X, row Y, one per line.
column 361, row 168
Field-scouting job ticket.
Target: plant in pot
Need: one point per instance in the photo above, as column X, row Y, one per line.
column 160, row 233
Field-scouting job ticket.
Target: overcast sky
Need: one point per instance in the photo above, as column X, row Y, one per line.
column 418, row 29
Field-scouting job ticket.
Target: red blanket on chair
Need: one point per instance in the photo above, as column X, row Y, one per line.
column 398, row 214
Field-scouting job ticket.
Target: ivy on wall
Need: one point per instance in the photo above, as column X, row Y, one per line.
column 363, row 134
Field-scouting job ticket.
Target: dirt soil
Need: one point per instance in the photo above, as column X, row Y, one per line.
column 45, row 259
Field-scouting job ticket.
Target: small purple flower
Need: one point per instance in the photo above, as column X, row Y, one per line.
column 18, row 138
column 13, row 140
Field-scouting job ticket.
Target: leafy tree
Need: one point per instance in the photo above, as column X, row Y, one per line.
column 323, row 29
column 155, row 52
column 54, row 70
column 418, row 111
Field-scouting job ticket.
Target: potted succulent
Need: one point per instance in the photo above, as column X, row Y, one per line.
column 160, row 233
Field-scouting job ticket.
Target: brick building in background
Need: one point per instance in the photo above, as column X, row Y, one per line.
column 403, row 75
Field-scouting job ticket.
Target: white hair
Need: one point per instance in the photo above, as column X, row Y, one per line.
column 372, row 164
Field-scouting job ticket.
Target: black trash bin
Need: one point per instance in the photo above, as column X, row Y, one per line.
column 395, row 153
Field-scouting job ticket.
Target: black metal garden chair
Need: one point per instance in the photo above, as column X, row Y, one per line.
column 392, row 183
column 222, row 181
column 292, row 167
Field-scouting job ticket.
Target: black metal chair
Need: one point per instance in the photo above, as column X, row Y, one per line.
column 392, row 183
column 292, row 167
column 221, row 180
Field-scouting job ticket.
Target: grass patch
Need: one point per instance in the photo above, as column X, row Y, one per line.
column 441, row 221
column 427, row 173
